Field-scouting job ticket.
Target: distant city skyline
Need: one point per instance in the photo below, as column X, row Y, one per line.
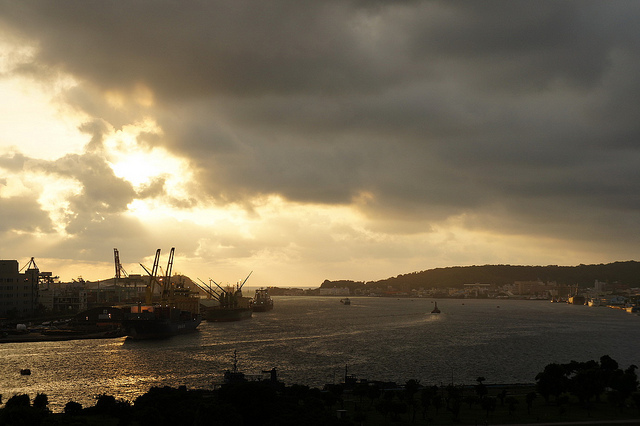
column 318, row 140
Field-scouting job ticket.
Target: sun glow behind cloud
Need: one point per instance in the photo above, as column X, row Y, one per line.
column 365, row 143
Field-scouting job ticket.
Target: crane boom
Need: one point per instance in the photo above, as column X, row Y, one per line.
column 245, row 280
column 116, row 257
column 152, row 278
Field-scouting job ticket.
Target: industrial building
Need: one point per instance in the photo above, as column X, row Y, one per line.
column 18, row 290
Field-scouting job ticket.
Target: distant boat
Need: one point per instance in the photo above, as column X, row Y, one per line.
column 25, row 372
column 593, row 302
column 262, row 302
column 345, row 301
column 436, row 310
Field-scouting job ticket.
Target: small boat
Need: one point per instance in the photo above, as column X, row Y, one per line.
column 234, row 375
column 25, row 372
column 345, row 301
column 435, row 310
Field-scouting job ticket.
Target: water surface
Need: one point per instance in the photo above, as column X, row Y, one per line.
column 311, row 339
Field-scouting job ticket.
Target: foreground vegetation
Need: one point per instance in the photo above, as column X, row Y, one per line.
column 578, row 391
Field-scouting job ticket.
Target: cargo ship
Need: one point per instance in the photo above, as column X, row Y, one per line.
column 232, row 305
column 176, row 312
column 159, row 322
column 262, row 302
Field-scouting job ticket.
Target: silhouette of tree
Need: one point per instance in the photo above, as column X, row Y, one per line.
column 480, row 388
column 531, row 396
column 397, row 408
column 17, row 401
column 411, row 387
column 73, row 408
column 471, row 400
column 585, row 381
column 636, row 400
column 623, row 385
column 373, row 393
column 608, row 366
column 437, row 402
column 426, row 396
column 552, row 381
column 489, row 404
column 18, row 412
column 41, row 402
column 512, row 401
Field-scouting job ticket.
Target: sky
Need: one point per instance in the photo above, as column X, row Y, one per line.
column 315, row 140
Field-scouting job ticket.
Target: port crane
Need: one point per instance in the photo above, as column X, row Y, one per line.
column 120, row 272
column 164, row 281
column 152, row 278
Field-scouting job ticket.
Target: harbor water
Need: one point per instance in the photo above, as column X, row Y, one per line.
column 310, row 340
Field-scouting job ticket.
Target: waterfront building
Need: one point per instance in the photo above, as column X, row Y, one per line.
column 18, row 290
column 63, row 297
column 334, row 291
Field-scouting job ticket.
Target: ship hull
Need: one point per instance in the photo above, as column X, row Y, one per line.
column 159, row 323
column 227, row 314
column 262, row 308
column 140, row 329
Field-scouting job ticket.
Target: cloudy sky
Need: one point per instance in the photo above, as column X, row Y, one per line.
column 313, row 140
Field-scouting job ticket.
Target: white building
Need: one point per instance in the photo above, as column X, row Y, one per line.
column 334, row 291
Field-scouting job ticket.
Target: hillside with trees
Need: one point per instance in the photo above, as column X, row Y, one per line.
column 625, row 273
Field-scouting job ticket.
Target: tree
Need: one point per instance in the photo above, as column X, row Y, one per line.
column 373, row 393
column 531, row 396
column 552, row 381
column 489, row 404
column 481, row 389
column 41, row 402
column 623, row 385
column 17, row 401
column 512, row 401
column 426, row 396
column 73, row 408
column 585, row 381
column 410, row 389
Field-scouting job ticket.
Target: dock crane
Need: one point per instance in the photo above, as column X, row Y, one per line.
column 152, row 278
column 166, row 280
column 119, row 269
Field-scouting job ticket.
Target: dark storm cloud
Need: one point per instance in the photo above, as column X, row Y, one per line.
column 433, row 108
column 23, row 214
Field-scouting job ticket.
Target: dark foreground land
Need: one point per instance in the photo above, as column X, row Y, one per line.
column 575, row 393
column 255, row 403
